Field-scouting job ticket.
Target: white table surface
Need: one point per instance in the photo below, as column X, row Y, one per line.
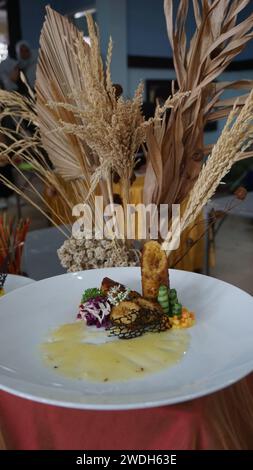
column 40, row 259
column 243, row 208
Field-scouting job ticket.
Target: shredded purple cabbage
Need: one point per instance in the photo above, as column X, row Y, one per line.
column 95, row 311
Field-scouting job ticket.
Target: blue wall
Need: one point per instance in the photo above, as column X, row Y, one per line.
column 111, row 18
column 146, row 28
column 247, row 53
column 33, row 13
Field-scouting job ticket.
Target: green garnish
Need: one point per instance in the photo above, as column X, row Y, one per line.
column 168, row 300
column 173, row 296
column 91, row 294
column 176, row 307
column 163, row 299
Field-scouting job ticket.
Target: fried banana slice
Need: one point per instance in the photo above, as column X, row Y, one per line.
column 126, row 312
column 154, row 269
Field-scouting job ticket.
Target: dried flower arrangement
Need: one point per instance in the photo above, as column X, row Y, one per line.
column 77, row 254
column 90, row 132
column 87, row 130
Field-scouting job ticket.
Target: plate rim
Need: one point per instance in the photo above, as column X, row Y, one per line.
column 17, row 276
column 132, row 268
column 125, row 406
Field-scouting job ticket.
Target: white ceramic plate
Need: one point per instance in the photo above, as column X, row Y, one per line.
column 14, row 282
column 220, row 352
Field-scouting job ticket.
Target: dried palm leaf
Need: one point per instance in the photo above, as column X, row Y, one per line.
column 57, row 74
column 218, row 38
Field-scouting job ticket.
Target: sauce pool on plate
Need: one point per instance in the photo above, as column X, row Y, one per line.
column 78, row 352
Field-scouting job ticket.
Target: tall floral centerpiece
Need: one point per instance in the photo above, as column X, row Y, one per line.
column 86, row 132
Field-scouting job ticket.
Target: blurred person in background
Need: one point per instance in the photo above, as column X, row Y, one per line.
column 27, row 61
column 9, row 74
column 10, row 77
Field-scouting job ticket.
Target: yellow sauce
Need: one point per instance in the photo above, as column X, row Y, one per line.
column 79, row 352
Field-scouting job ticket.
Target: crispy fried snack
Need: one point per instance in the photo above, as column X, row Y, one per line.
column 125, row 311
column 154, row 269
column 128, row 310
column 136, row 323
column 136, row 314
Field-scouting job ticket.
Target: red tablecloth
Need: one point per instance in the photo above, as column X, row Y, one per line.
column 220, row 420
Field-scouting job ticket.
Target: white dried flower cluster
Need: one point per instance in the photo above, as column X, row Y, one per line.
column 78, row 255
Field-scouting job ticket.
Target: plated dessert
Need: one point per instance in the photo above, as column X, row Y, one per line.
column 119, row 333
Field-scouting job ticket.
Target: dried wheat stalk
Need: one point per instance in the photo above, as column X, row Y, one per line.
column 112, row 128
column 20, row 145
column 236, row 137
